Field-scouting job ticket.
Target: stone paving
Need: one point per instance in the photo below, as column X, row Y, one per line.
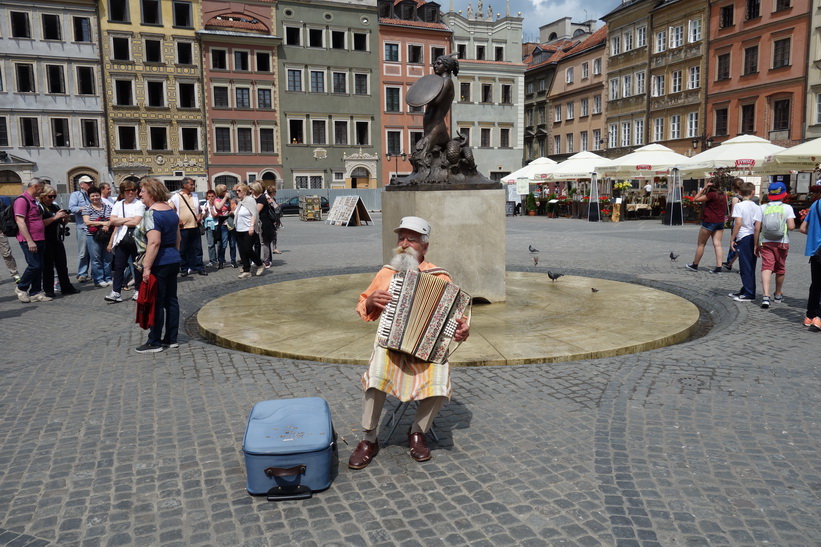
column 708, row 442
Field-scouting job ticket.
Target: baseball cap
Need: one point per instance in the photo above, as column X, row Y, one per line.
column 85, row 178
column 414, row 224
column 777, row 191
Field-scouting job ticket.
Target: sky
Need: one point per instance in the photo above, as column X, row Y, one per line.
column 541, row 12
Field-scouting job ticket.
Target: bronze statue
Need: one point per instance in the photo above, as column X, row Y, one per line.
column 438, row 159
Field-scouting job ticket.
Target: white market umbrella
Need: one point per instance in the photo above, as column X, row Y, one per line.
column 533, row 171
column 801, row 157
column 648, row 161
column 578, row 166
column 743, row 153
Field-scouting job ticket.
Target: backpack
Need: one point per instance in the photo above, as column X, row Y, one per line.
column 8, row 221
column 774, row 222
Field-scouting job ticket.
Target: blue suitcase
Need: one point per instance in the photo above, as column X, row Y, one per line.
column 289, row 448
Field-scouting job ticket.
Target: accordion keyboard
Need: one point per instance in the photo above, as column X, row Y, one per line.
column 389, row 313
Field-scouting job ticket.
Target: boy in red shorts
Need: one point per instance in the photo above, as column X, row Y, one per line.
column 773, row 240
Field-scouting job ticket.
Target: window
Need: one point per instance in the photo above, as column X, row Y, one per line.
column 628, row 43
column 818, row 108
column 245, row 142
column 596, row 66
column 585, row 142
column 340, row 132
column 529, row 88
column 243, row 97
column 641, row 37
column 340, row 82
column 541, row 114
column 640, row 84
column 153, row 51
column 82, row 29
column 362, row 133
column 568, row 75
column 499, row 53
column 60, row 133
column 123, row 94
column 675, row 127
column 266, row 140
column 484, row 137
column 296, row 133
column 392, row 52
column 127, row 137
column 118, row 11
column 658, row 129
column 597, row 140
column 185, row 53
column 721, row 121
column 293, row 36
column 461, row 51
column 480, row 53
column 189, row 138
column 219, row 59
column 392, row 99
column 436, row 52
column 241, row 61
column 638, row 132
column 55, row 79
column 264, row 98
column 750, row 60
column 120, row 48
column 315, row 37
column 507, row 95
column 614, row 89
column 464, row 92
column 557, row 144
column 781, row 53
column 51, row 27
column 694, row 31
column 223, row 139
column 152, row 14
column 221, row 96
column 725, row 16
column 675, row 81
column 694, row 77
column 661, row 41
column 294, row 80
column 394, row 142
column 627, row 85
column 692, row 124
column 29, row 132
column 414, row 54
column 20, row 27
column 25, row 78
column 182, row 14
column 658, row 85
column 613, row 136
column 585, row 70
column 557, row 113
column 263, row 61
column 504, row 137
column 782, row 5
column 415, row 136
column 781, row 115
column 155, row 94
column 615, row 45
column 597, row 104
column 337, row 39
column 360, row 41
column 753, row 10
column 360, row 84
column 570, row 109
column 317, row 81
column 188, row 95
column 487, row 93
column 676, row 36
column 90, row 135
column 625, row 133
column 585, row 107
column 723, row 67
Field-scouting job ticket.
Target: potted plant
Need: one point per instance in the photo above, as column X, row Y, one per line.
column 530, row 204
column 551, row 207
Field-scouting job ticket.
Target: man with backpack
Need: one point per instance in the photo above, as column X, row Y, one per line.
column 773, row 241
column 5, row 248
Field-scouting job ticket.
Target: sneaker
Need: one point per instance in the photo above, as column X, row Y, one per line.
column 743, row 298
column 202, row 272
column 16, row 278
column 22, row 296
column 136, row 294
column 244, row 275
column 209, row 264
column 260, row 269
column 728, row 267
column 765, row 302
column 82, row 278
column 233, row 264
column 692, row 267
column 40, row 297
column 807, row 322
column 734, row 294
column 716, row 271
column 170, row 345
column 816, row 323
column 114, row 297
column 779, row 298
column 103, row 284
column 148, row 348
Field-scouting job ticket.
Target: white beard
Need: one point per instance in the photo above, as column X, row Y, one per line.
column 405, row 259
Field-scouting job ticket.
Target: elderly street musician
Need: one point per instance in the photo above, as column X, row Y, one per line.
column 403, row 376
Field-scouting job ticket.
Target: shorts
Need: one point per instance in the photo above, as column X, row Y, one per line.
column 774, row 257
column 712, row 226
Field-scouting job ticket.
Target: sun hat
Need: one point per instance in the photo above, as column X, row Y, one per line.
column 414, row 224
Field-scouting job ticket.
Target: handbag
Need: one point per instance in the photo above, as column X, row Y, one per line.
column 100, row 235
column 128, row 238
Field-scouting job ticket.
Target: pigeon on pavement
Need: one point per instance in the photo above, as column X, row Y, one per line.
column 531, row 249
column 673, row 257
column 536, row 260
column 554, row 276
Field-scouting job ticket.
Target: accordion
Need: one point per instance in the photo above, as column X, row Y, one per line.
column 420, row 319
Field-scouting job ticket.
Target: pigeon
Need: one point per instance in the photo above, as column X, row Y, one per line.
column 536, row 260
column 531, row 249
column 673, row 257
column 594, row 289
column 554, row 276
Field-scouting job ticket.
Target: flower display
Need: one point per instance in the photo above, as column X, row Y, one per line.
column 623, row 185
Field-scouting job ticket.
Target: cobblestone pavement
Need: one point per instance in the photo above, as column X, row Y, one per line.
column 710, row 442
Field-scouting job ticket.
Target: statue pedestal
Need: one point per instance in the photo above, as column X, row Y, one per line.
column 467, row 235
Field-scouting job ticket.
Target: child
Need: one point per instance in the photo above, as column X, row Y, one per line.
column 773, row 250
column 747, row 218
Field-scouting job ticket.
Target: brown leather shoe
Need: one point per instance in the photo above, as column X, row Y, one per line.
column 419, row 450
column 364, row 453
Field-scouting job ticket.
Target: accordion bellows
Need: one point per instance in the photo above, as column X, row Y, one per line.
column 420, row 319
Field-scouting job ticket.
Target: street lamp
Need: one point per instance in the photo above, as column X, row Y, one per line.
column 706, row 141
column 396, row 157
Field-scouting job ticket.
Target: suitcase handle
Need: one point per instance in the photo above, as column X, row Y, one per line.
column 284, row 471
column 285, row 493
